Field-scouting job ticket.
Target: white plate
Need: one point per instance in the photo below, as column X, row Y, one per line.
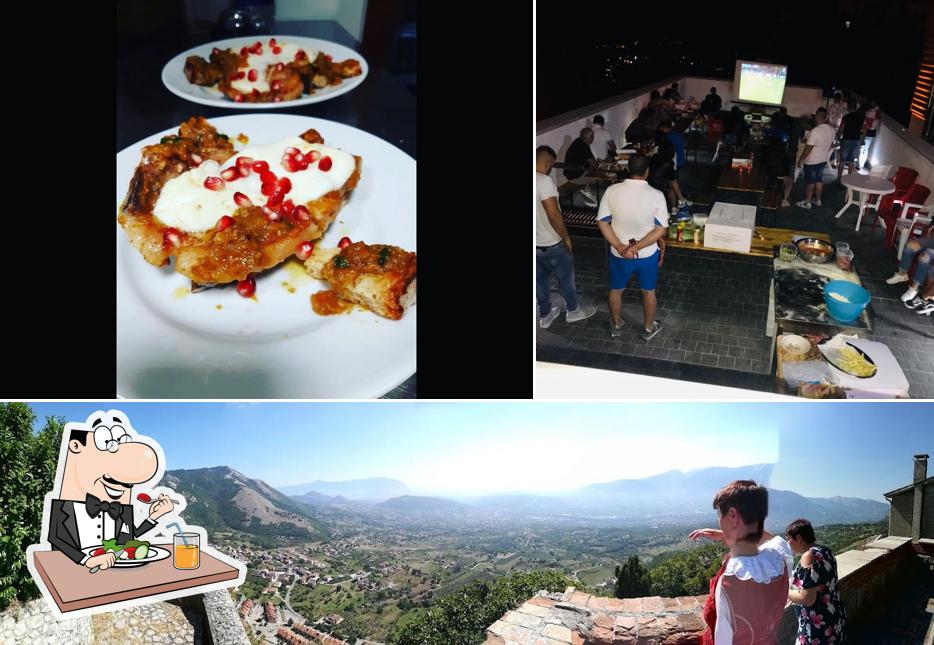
column 171, row 345
column 173, row 74
column 155, row 554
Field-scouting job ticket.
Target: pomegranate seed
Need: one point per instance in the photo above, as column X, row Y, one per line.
column 229, row 174
column 279, row 67
column 301, row 213
column 267, row 176
column 257, row 45
column 325, row 164
column 196, row 159
column 277, row 99
column 241, row 74
column 344, row 243
column 290, row 164
column 304, row 250
column 290, row 151
column 314, row 154
column 327, row 58
column 303, row 163
column 244, row 161
column 244, row 171
column 244, row 51
column 214, row 183
column 301, row 55
column 268, row 189
column 285, row 184
column 253, row 75
column 271, row 215
column 172, row 237
column 238, row 98
column 287, row 207
column 272, row 42
column 276, row 50
column 255, row 92
column 215, row 51
column 276, row 86
column 275, row 200
column 260, row 166
column 247, row 288
column 224, row 222
column 242, row 200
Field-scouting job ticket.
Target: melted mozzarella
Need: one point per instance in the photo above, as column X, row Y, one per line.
column 260, row 62
column 184, row 203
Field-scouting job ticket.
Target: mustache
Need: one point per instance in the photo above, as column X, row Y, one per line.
column 111, row 480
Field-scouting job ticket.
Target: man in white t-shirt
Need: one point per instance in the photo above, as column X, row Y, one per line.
column 632, row 217
column 814, row 157
column 553, row 247
column 603, row 142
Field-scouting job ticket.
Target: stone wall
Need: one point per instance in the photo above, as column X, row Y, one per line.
column 210, row 619
column 582, row 619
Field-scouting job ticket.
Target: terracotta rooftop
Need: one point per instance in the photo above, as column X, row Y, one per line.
column 583, row 619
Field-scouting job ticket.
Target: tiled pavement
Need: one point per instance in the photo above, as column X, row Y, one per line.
column 713, row 306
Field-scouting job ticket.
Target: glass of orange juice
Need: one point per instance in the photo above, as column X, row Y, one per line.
column 187, row 550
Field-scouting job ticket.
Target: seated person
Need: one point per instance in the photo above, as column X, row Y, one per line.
column 734, row 129
column 711, row 103
column 675, row 96
column 663, row 176
column 579, row 159
column 923, row 247
column 779, row 169
column 641, row 128
column 666, row 132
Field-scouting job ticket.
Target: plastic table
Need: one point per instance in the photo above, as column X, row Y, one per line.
column 865, row 185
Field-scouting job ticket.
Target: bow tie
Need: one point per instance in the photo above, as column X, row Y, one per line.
column 95, row 506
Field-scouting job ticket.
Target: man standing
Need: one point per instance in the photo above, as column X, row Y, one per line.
column 814, row 157
column 852, row 133
column 578, row 160
column 603, row 144
column 553, row 247
column 712, row 102
column 635, row 212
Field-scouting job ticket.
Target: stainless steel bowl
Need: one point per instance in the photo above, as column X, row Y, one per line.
column 814, row 250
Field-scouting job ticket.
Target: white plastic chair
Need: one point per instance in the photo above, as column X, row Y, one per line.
column 906, row 225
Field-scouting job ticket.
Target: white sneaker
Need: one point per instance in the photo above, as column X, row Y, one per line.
column 816, row 202
column 545, row 321
column 909, row 295
column 580, row 313
column 898, row 277
column 803, row 204
column 927, row 309
column 685, row 202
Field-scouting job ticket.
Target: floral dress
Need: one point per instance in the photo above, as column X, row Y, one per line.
column 824, row 622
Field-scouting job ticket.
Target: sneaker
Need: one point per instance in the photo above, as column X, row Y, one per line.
column 926, row 308
column 616, row 330
column 898, row 277
column 803, row 204
column 816, row 202
column 649, row 334
column 580, row 313
column 545, row 321
column 785, row 203
column 909, row 295
column 685, row 202
column 915, row 302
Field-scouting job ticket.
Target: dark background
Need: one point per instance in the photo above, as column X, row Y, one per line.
column 877, row 55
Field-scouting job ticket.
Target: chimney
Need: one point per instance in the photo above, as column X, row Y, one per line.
column 921, row 468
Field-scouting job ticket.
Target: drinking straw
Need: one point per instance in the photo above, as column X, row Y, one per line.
column 180, row 532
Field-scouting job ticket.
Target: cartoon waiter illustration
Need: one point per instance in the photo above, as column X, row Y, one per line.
column 102, row 464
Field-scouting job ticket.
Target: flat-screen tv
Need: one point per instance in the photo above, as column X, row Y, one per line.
column 762, row 83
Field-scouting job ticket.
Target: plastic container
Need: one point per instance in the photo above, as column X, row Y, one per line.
column 844, row 259
column 857, row 299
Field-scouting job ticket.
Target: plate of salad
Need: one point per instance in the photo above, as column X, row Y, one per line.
column 135, row 552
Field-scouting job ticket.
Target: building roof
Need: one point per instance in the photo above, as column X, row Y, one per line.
column 903, row 489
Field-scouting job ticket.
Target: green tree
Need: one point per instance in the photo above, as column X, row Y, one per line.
column 632, row 580
column 687, row 573
column 27, row 472
column 462, row 617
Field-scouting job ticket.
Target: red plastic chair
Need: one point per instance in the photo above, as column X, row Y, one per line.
column 904, row 178
column 910, row 203
column 714, row 129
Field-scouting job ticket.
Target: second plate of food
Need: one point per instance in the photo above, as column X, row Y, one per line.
column 216, row 343
column 271, row 65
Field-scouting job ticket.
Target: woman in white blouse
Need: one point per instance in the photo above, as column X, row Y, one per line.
column 749, row 592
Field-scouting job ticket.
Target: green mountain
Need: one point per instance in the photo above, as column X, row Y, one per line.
column 223, row 499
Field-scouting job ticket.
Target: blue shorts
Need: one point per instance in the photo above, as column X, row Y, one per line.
column 814, row 174
column 646, row 270
column 849, row 149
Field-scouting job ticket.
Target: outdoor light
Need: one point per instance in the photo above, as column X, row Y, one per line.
column 847, row 24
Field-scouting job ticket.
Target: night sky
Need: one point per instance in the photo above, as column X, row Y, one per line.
column 877, row 55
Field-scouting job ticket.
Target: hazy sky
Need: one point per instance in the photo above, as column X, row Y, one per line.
column 824, row 449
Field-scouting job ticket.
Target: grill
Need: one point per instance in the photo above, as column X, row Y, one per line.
column 581, row 219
